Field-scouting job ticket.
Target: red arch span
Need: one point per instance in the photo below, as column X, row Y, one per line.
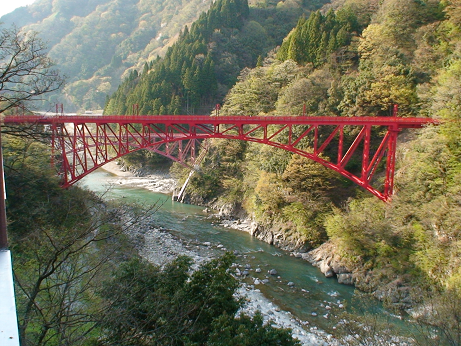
column 86, row 143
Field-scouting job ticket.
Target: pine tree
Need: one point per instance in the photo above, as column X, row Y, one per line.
column 318, row 36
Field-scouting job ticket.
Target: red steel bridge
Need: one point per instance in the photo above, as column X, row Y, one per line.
column 361, row 149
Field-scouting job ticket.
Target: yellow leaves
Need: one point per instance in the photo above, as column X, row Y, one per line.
column 363, row 231
column 305, row 221
column 432, row 262
column 454, row 281
column 453, row 11
column 230, row 183
column 309, row 91
column 372, row 38
column 269, row 191
column 447, row 98
column 391, row 89
column 233, row 189
column 284, row 72
column 303, row 174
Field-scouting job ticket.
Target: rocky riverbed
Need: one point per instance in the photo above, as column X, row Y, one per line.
column 160, row 245
column 395, row 291
column 160, row 182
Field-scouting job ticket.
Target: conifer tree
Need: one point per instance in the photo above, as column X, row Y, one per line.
column 312, row 40
column 187, row 72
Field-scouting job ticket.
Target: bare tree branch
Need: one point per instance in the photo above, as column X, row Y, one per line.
column 26, row 71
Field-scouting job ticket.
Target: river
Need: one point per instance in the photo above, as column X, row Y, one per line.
column 310, row 298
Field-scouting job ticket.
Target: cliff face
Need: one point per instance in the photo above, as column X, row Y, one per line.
column 277, row 235
column 279, row 238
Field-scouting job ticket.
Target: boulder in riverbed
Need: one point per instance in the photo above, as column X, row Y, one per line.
column 346, row 279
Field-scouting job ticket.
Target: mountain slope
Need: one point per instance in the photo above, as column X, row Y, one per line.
column 408, row 53
column 94, row 42
column 97, row 43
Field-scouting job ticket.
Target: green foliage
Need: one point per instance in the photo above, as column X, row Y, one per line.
column 251, row 96
column 306, row 94
column 257, row 90
column 54, row 234
column 188, row 76
column 204, row 186
column 268, row 197
column 221, row 171
column 388, row 78
column 306, row 222
column 429, row 256
column 246, row 331
column 314, row 39
column 420, row 233
column 363, row 233
column 29, row 174
column 304, row 176
column 270, row 159
column 147, row 305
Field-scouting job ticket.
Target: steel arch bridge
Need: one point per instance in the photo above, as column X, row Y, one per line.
column 85, row 143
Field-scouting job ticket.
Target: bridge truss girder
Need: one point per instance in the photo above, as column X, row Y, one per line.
column 86, row 143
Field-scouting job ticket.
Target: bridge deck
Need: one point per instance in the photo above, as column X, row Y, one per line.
column 91, row 140
column 214, row 120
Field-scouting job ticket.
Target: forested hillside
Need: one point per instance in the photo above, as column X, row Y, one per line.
column 186, row 77
column 98, row 43
column 94, row 42
column 353, row 58
column 198, row 70
column 356, row 58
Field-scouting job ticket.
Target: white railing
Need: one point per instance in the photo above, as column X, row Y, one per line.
column 9, row 335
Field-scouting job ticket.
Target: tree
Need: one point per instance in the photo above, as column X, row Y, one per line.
column 63, row 242
column 314, row 39
column 439, row 321
column 26, row 72
column 247, row 331
column 149, row 305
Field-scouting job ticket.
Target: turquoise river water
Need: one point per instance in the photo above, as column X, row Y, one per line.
column 312, row 292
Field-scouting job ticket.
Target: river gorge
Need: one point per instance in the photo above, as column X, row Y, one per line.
column 286, row 288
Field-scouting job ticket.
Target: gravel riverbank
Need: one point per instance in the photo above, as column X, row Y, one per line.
column 160, row 246
column 160, row 182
